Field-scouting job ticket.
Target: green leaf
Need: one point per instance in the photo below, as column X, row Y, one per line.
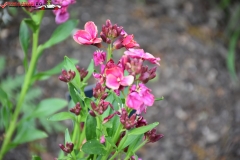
column 69, row 65
column 24, row 38
column 74, row 93
column 4, row 98
column 31, row 24
column 127, row 140
column 5, row 117
column 94, row 147
column 231, row 54
column 49, row 106
column 91, row 125
column 28, row 134
column 61, row 33
column 90, row 71
column 134, row 144
column 116, row 122
column 143, row 129
column 109, row 139
column 61, row 116
column 56, row 70
column 36, row 158
column 67, row 137
column 159, row 99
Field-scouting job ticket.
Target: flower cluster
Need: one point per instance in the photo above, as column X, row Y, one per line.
column 125, row 80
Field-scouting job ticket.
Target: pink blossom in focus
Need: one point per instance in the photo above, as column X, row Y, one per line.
column 139, row 53
column 139, row 98
column 115, row 78
column 99, row 57
column 88, row 36
column 126, row 41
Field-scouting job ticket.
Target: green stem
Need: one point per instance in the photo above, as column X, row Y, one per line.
column 115, row 138
column 25, row 87
column 76, row 132
column 109, row 52
column 136, row 149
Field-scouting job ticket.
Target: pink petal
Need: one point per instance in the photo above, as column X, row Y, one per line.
column 82, row 37
column 115, row 71
column 97, row 40
column 111, row 82
column 127, row 81
column 148, row 99
column 134, row 101
column 91, row 28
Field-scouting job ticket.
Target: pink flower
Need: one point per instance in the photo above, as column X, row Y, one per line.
column 139, row 53
column 63, row 3
column 128, row 42
column 62, row 15
column 115, row 78
column 99, row 57
column 139, row 98
column 87, row 36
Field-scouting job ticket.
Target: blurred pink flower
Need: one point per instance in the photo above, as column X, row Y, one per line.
column 139, row 53
column 88, row 36
column 115, row 78
column 63, row 3
column 62, row 15
column 139, row 98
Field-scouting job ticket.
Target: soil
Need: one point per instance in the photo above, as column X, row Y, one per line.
column 200, row 113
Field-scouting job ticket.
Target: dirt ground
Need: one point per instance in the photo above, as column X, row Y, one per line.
column 200, row 114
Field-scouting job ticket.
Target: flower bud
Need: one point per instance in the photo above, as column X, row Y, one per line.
column 67, row 76
column 151, row 136
column 76, row 110
column 68, row 148
column 91, row 112
column 83, row 73
column 99, row 57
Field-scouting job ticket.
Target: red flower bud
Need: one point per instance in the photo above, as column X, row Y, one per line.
column 67, row 76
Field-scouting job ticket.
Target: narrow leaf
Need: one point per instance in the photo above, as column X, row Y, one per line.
column 67, row 136
column 24, row 38
column 61, row 116
column 61, row 33
column 49, row 106
column 91, row 125
column 143, row 129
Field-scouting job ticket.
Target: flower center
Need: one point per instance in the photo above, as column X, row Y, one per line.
column 118, row 79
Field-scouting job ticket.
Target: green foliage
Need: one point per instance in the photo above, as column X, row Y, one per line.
column 232, row 8
column 94, row 147
column 24, row 38
column 61, row 33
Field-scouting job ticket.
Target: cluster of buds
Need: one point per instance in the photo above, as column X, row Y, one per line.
column 134, row 66
column 100, row 108
column 76, row 110
column 99, row 92
column 110, row 31
column 83, row 73
column 67, row 76
column 146, row 74
column 127, row 122
column 68, row 148
column 152, row 136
